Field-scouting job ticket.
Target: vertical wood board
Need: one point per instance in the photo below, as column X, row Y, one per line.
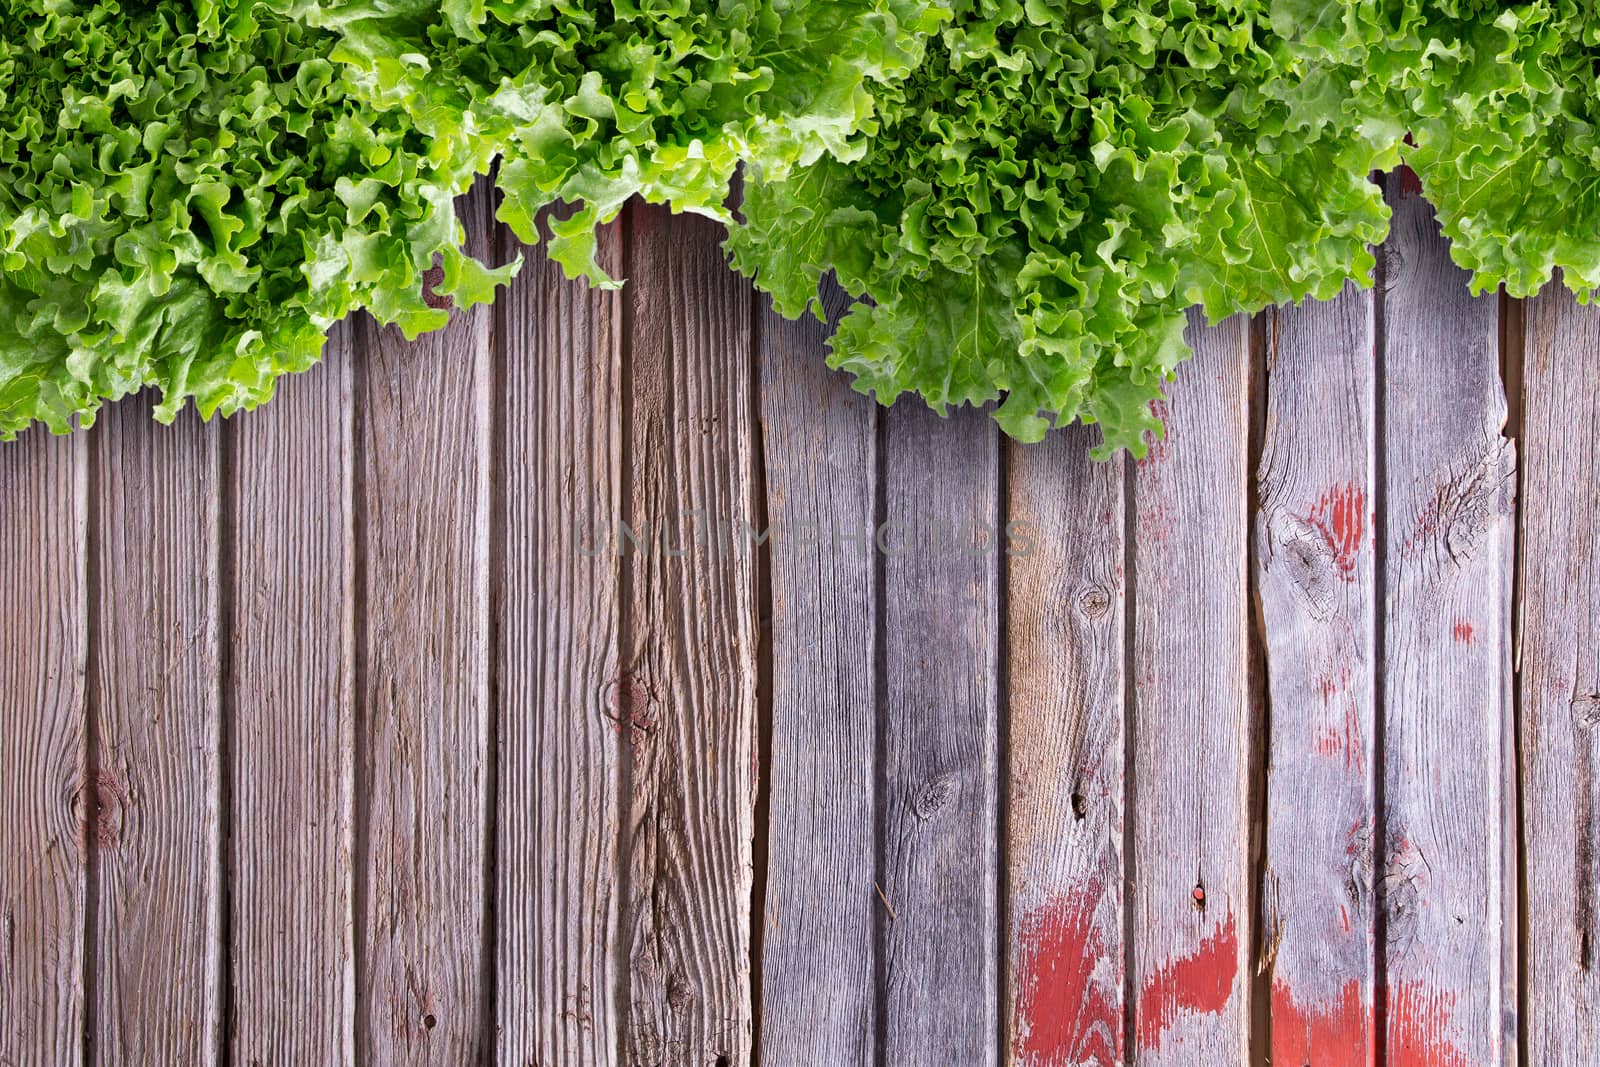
column 1065, row 680
column 155, row 963
column 1314, row 564
column 46, row 800
column 562, row 701
column 422, row 769
column 1560, row 677
column 940, row 848
column 1189, row 719
column 291, row 696
column 1448, row 888
column 692, row 647
column 818, row 961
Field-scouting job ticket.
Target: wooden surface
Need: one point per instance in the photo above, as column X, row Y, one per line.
column 1189, row 719
column 1315, row 571
column 601, row 681
column 1448, row 514
column 939, row 849
column 155, row 940
column 1560, row 678
column 47, row 798
column 690, row 648
column 821, row 916
column 290, row 708
column 1064, row 730
column 560, row 699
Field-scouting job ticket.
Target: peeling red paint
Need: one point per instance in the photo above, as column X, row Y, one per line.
column 1419, row 1019
column 1201, row 983
column 1336, row 1033
column 1340, row 517
column 1155, row 519
column 1064, row 1015
column 1330, row 686
column 1343, row 742
column 1462, row 631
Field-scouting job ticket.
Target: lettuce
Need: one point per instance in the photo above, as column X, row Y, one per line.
column 191, row 193
column 1027, row 196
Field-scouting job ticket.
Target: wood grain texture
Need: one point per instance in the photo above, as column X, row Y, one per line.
column 291, row 697
column 940, row 862
column 423, row 500
column 1560, row 646
column 1448, row 882
column 1314, row 566
column 155, row 964
column 562, row 703
column 1189, row 720
column 692, row 650
column 44, row 795
column 1065, row 619
column 818, row 964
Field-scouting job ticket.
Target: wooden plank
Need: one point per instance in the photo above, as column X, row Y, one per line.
column 1449, row 487
column 1314, row 566
column 818, row 964
column 692, row 651
column 291, row 696
column 1065, row 657
column 46, row 801
column 940, row 862
column 423, row 499
column 562, row 698
column 1560, row 648
column 155, row 964
column 1189, row 720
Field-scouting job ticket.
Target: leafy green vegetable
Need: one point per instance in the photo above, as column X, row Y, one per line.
column 1029, row 195
column 192, row 193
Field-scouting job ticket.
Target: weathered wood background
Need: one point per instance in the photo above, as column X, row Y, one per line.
column 446, row 711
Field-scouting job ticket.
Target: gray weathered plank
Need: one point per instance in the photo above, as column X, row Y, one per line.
column 939, row 846
column 45, row 798
column 155, row 970
column 1189, row 720
column 1314, row 565
column 818, row 964
column 561, row 700
column 422, row 768
column 291, row 695
column 690, row 662
column 1065, row 661
column 1448, row 880
column 1560, row 650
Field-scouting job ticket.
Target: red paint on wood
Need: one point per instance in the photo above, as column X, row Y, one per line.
column 1331, row 1034
column 1201, row 983
column 1064, row 1016
column 1343, row 742
column 1340, row 516
column 1329, row 686
column 1419, row 1021
column 1462, row 631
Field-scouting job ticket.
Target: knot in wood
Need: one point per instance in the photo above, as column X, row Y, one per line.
column 1586, row 710
column 98, row 804
column 934, row 794
column 632, row 702
column 678, row 993
column 1094, row 601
